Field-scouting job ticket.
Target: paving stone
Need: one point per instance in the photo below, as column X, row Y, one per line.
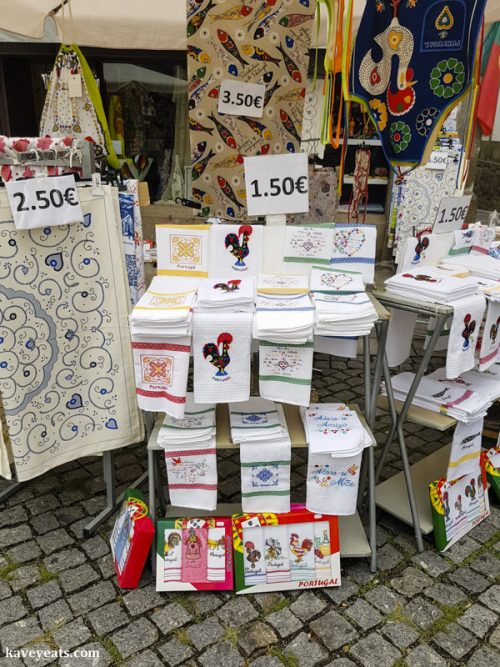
column 306, row 651
column 44, row 594
column 175, row 652
column 13, row 516
column 359, row 570
column 171, row 617
column 388, row 558
column 446, row 594
column 106, row 566
column 44, row 522
column 470, row 580
column 39, row 655
column 333, row 630
column 19, row 633
column 71, row 635
column 55, row 615
column 341, row 662
column 484, row 656
column 375, row 651
column 266, row 661
column 491, row 598
column 11, row 536
column 487, row 564
column 462, row 549
column 42, row 504
column 142, row 599
column 307, row 605
column 384, row 599
column 23, row 553
column 258, row 635
column 424, row 656
column 103, row 660
column 422, row 612
column 145, row 659
column 363, row 614
column 92, row 598
column 71, row 496
column 95, row 547
column 339, row 594
column 80, row 577
column 478, row 620
column 24, row 576
column 205, row 633
column 268, row 601
column 5, row 590
column 236, row 612
column 12, row 609
column 483, row 532
column 55, row 540
column 495, row 638
column 223, row 653
column 108, row 618
column 64, row 560
column 400, row 634
column 455, row 640
column 284, row 622
column 138, row 635
column 411, row 582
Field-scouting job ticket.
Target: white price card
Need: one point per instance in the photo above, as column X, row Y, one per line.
column 241, row 99
column 44, row 202
column 277, row 184
column 438, row 160
column 451, row 214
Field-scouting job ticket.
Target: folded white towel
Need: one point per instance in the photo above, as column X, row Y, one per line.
column 332, row 484
column 284, row 318
column 265, row 476
column 236, row 250
column 254, row 556
column 183, row 250
column 285, row 372
column 305, row 246
column 467, row 317
column 192, row 475
column 465, row 449
column 172, row 558
column 197, row 425
column 232, row 294
column 335, row 281
column 301, row 551
column 354, row 249
column 269, row 283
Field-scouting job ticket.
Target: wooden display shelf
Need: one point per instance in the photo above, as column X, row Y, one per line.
column 392, row 495
column 420, row 416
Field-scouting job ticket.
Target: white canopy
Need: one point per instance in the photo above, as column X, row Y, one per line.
column 124, row 24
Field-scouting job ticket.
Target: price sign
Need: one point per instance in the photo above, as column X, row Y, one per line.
column 241, row 99
column 438, row 160
column 277, row 184
column 44, row 202
column 451, row 214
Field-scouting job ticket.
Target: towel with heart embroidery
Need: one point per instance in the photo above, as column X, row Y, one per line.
column 285, row 372
column 354, row 249
column 305, row 246
column 335, row 281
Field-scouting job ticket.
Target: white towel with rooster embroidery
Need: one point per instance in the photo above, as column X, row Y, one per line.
column 235, row 250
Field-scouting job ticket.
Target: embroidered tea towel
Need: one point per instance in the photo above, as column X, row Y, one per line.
column 232, row 294
column 182, row 250
column 216, row 563
column 161, row 368
column 269, row 283
column 335, row 281
column 463, row 241
column 467, row 316
column 192, row 475
column 465, row 449
column 285, row 372
column 425, row 250
column 236, row 250
column 221, row 352
column 301, row 551
column 255, row 564
column 197, row 425
column 483, row 240
column 322, row 548
column 332, row 484
column 490, row 343
column 354, row 248
column 194, row 554
column 276, row 554
column 284, row 318
column 172, row 558
column 305, row 246
column 265, row 476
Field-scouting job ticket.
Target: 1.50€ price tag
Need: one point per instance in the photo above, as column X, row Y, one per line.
column 241, row 99
column 44, row 202
column 451, row 214
column 277, row 184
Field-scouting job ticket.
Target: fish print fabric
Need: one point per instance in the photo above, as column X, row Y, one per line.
column 256, row 41
column 412, row 61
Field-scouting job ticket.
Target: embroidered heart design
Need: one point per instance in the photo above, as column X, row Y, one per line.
column 111, row 424
column 74, row 402
column 307, row 245
column 335, row 281
column 349, row 242
column 283, row 364
column 55, row 261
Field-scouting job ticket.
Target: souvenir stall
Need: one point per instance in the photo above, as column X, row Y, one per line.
column 217, row 351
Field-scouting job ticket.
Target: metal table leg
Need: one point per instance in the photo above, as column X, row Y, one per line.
column 382, row 329
column 10, row 490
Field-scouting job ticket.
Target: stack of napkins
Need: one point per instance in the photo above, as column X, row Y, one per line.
column 447, row 397
column 233, row 295
column 332, row 428
column 482, row 266
column 486, row 383
column 257, row 420
column 197, row 425
column 284, row 318
column 431, row 284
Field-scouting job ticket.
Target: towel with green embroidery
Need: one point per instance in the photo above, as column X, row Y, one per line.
column 265, row 476
column 285, row 372
column 308, row 245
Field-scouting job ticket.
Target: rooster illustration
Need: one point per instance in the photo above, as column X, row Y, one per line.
column 469, row 328
column 494, row 331
column 446, row 503
column 470, row 490
column 253, row 554
column 239, row 248
column 174, row 539
column 230, row 286
column 458, row 504
column 217, row 356
column 300, row 549
column 215, row 544
column 422, row 245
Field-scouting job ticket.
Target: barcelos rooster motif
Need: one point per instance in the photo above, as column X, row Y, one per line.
column 218, row 354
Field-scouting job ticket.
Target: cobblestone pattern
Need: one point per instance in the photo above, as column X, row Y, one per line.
column 58, row 589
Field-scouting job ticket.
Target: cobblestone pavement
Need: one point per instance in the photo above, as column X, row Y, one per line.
column 58, row 589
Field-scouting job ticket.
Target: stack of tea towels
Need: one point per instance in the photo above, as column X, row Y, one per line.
column 259, row 427
column 190, row 456
column 160, row 326
column 336, row 439
column 222, row 339
column 283, row 324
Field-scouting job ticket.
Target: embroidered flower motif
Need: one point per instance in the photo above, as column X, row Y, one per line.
column 447, row 78
column 380, row 112
column 264, row 475
column 400, row 136
column 425, row 121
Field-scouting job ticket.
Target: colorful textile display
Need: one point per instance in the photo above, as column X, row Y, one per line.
column 411, row 63
column 256, row 43
column 66, row 375
column 136, row 273
column 354, row 248
column 490, row 71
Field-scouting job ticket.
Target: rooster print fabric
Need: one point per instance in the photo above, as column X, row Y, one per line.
column 258, row 41
column 412, row 61
column 236, row 250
